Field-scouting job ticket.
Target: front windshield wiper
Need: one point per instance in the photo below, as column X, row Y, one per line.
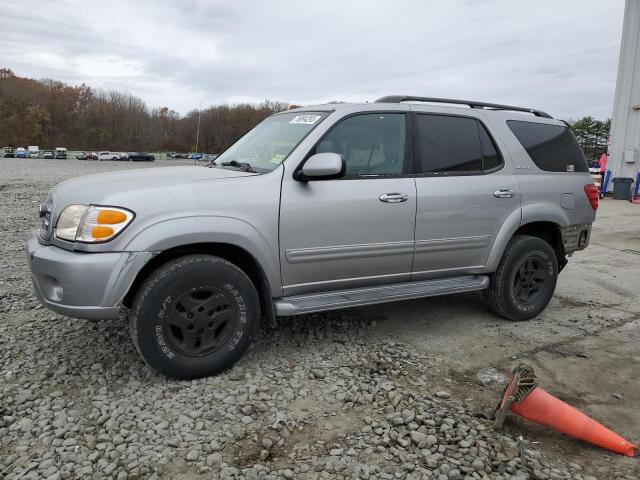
column 244, row 166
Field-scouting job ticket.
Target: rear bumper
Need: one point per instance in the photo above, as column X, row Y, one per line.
column 576, row 237
column 82, row 285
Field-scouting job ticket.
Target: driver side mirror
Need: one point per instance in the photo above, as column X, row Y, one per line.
column 322, row 166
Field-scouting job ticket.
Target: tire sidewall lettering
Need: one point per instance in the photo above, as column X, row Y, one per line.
column 242, row 309
column 162, row 343
column 161, row 317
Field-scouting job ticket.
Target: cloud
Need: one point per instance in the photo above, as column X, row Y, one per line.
column 560, row 57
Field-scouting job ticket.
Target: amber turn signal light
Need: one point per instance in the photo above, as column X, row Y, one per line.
column 110, row 217
column 101, row 232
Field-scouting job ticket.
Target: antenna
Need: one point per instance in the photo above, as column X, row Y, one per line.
column 198, row 131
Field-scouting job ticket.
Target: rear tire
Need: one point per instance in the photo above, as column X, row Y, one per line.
column 195, row 316
column 525, row 280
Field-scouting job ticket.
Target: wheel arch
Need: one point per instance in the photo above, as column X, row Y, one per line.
column 170, row 233
column 551, row 233
column 232, row 253
column 546, row 230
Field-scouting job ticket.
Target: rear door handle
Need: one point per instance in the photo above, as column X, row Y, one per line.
column 503, row 193
column 394, row 197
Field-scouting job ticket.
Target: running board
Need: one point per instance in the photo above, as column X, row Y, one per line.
column 318, row 302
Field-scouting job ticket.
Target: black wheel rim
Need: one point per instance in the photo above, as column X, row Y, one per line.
column 201, row 321
column 529, row 280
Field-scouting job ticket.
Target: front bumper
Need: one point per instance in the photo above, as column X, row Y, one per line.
column 82, row 285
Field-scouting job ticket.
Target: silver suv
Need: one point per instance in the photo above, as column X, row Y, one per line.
column 316, row 209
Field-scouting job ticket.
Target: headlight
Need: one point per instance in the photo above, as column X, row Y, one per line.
column 92, row 224
column 69, row 220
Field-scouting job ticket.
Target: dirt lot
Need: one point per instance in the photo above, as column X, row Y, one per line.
column 388, row 391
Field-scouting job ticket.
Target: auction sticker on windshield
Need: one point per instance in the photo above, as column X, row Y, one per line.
column 305, row 119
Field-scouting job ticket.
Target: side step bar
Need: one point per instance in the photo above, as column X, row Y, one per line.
column 318, row 302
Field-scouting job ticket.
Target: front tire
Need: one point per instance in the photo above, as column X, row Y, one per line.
column 525, row 280
column 195, row 316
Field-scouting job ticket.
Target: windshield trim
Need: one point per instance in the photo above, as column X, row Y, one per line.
column 324, row 114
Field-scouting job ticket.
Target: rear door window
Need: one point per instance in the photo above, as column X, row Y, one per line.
column 553, row 148
column 491, row 159
column 448, row 145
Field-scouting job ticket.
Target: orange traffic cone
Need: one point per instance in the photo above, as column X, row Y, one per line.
column 524, row 397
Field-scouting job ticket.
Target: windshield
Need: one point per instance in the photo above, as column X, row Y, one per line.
column 265, row 147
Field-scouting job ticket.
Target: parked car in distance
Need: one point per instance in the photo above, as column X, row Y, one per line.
column 195, row 156
column 81, row 156
column 141, row 157
column 9, row 152
column 34, row 151
column 348, row 205
column 108, row 156
column 61, row 153
column 48, row 154
column 21, row 153
column 92, row 156
column 123, row 156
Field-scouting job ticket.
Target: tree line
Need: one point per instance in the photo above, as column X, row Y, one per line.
column 52, row 114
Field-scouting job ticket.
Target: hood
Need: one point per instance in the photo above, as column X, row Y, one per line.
column 97, row 188
column 167, row 194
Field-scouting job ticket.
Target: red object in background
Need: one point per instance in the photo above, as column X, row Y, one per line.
column 592, row 194
column 603, row 162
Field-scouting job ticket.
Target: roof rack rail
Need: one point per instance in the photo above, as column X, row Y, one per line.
column 470, row 103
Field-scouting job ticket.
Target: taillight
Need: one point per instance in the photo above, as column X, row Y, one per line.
column 592, row 194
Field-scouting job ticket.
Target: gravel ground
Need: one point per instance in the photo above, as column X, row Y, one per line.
column 321, row 396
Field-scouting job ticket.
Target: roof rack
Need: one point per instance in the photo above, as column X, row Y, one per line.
column 470, row 103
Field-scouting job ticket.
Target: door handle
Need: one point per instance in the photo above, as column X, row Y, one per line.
column 503, row 193
column 394, row 197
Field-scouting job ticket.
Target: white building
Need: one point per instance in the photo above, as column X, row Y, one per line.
column 624, row 152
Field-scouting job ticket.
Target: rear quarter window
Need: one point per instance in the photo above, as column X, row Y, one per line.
column 553, row 148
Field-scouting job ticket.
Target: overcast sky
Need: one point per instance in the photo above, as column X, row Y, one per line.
column 558, row 56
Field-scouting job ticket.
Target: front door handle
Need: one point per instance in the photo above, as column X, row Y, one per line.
column 394, row 197
column 503, row 193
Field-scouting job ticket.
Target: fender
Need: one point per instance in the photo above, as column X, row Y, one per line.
column 544, row 212
column 529, row 213
column 177, row 232
column 510, row 225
